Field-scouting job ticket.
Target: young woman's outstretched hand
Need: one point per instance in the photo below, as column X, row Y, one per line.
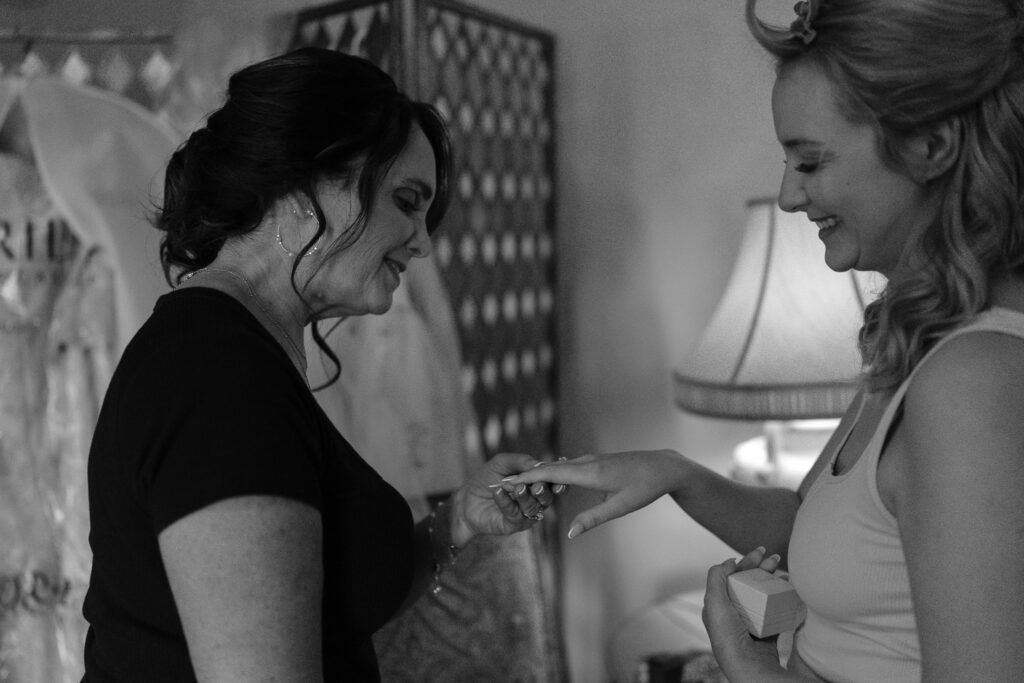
column 629, row 480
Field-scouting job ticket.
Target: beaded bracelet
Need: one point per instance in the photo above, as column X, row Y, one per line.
column 440, row 542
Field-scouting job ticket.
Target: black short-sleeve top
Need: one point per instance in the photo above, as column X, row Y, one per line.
column 205, row 405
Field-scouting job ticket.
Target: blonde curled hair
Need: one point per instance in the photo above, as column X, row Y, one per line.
column 901, row 66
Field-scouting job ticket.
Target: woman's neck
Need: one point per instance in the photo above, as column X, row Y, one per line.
column 261, row 281
column 1007, row 291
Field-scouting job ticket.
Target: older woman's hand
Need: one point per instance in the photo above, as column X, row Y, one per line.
column 483, row 506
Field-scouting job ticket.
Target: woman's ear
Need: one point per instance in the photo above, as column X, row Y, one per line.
column 298, row 205
column 932, row 152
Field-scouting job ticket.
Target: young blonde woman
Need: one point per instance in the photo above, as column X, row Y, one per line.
column 902, row 125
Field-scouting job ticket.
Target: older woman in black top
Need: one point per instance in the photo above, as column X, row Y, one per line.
column 236, row 535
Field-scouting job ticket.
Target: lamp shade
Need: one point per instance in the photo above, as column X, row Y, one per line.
column 782, row 344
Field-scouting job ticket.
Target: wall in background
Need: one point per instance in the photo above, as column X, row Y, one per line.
column 664, row 131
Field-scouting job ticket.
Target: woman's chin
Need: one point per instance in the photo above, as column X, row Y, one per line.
column 839, row 261
column 380, row 306
column 375, row 307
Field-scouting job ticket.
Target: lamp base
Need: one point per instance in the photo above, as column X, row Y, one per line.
column 783, row 454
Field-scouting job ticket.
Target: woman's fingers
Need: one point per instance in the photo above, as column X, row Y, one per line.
column 751, row 559
column 716, row 593
column 506, row 464
column 572, row 472
column 509, row 508
column 512, row 511
column 758, row 557
column 541, row 487
column 529, row 506
column 615, row 506
column 542, row 493
column 517, row 502
column 771, row 563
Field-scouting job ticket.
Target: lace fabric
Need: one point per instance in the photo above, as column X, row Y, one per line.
column 76, row 166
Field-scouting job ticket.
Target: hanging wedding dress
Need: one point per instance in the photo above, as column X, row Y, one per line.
column 101, row 158
column 32, row 274
column 81, row 352
column 78, row 274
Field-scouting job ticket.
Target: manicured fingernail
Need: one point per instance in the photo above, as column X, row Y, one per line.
column 494, row 486
column 521, row 489
column 558, row 488
column 776, row 557
column 538, row 465
column 537, row 488
column 508, row 479
column 575, row 530
column 761, row 549
column 502, row 492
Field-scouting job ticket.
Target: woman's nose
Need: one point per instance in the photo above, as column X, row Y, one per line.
column 792, row 196
column 419, row 244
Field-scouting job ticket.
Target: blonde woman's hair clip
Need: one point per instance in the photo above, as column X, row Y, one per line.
column 806, row 12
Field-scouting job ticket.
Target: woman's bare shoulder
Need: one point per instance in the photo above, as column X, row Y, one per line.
column 966, row 402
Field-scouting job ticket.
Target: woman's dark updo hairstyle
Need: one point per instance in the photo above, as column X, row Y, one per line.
column 288, row 122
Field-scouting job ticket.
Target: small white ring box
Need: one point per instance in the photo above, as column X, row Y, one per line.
column 768, row 604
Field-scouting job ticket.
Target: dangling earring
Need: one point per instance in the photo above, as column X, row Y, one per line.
column 312, row 250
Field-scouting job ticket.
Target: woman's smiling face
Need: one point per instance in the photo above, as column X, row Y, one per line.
column 362, row 277
column 865, row 210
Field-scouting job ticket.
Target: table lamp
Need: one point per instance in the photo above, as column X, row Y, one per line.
column 782, row 345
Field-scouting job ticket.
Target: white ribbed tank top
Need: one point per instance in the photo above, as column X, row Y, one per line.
column 846, row 559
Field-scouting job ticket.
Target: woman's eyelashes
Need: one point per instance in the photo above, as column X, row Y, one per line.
column 408, row 200
column 804, row 166
column 808, row 164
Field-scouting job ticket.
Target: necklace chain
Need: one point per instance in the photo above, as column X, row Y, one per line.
column 298, row 356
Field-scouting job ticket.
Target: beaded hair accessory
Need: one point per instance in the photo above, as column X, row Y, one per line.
column 806, row 12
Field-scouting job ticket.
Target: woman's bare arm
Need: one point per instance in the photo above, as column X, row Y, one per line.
column 958, row 499
column 247, row 578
